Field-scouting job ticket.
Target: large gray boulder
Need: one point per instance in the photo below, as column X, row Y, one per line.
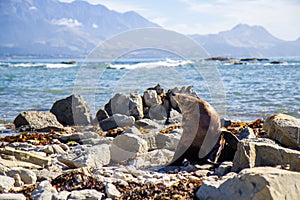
column 254, row 183
column 71, row 111
column 127, row 146
column 38, row 121
column 256, row 153
column 283, row 128
column 122, row 104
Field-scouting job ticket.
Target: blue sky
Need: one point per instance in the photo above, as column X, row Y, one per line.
column 280, row 17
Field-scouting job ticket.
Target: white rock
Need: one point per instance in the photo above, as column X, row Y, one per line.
column 6, row 183
column 254, row 183
column 63, row 195
column 86, row 194
column 26, row 175
column 111, row 191
column 127, row 146
column 44, row 191
column 12, row 196
column 83, row 156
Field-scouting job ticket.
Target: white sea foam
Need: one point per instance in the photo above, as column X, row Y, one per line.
column 165, row 63
column 59, row 65
column 26, row 65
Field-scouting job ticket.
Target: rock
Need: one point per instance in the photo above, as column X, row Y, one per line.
column 201, row 129
column 44, row 190
column 151, row 98
column 157, row 112
column 127, row 146
column 78, row 137
column 167, row 141
column 26, row 175
column 147, row 124
column 118, row 104
column 83, row 156
column 111, row 191
column 224, row 168
column 153, row 158
column 101, row 115
column 18, row 181
column 150, row 138
column 63, row 195
column 90, row 194
column 174, row 117
column 38, row 121
column 12, row 196
column 6, row 183
column 136, row 106
column 133, row 130
column 116, row 120
column 253, row 154
column 3, row 169
column 71, row 111
column 283, row 128
column 26, row 156
column 254, row 183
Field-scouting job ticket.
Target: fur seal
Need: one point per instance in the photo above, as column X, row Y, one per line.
column 201, row 129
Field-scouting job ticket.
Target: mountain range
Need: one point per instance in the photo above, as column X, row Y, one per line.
column 50, row 28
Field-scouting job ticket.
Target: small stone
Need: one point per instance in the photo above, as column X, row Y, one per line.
column 90, row 194
column 18, row 181
column 63, row 195
column 111, row 191
column 6, row 183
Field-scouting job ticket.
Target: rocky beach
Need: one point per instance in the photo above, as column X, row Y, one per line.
column 161, row 144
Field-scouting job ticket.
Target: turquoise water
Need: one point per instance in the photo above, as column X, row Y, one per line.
column 244, row 92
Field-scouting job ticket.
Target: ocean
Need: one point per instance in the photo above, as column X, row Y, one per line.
column 237, row 91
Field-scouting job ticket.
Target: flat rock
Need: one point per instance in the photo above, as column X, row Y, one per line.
column 6, row 183
column 116, row 120
column 90, row 194
column 251, row 154
column 127, row 146
column 27, row 156
column 283, row 128
column 71, row 111
column 147, row 124
column 254, row 183
column 83, row 156
column 38, row 121
column 12, row 196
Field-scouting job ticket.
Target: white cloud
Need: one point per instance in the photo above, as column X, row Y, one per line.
column 32, row 8
column 68, row 22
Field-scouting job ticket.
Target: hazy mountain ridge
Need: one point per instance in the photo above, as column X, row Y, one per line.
column 245, row 40
column 39, row 28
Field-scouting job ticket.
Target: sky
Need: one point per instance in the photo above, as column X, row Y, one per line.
column 280, row 17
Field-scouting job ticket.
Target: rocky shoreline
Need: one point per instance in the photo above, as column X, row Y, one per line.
column 129, row 151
